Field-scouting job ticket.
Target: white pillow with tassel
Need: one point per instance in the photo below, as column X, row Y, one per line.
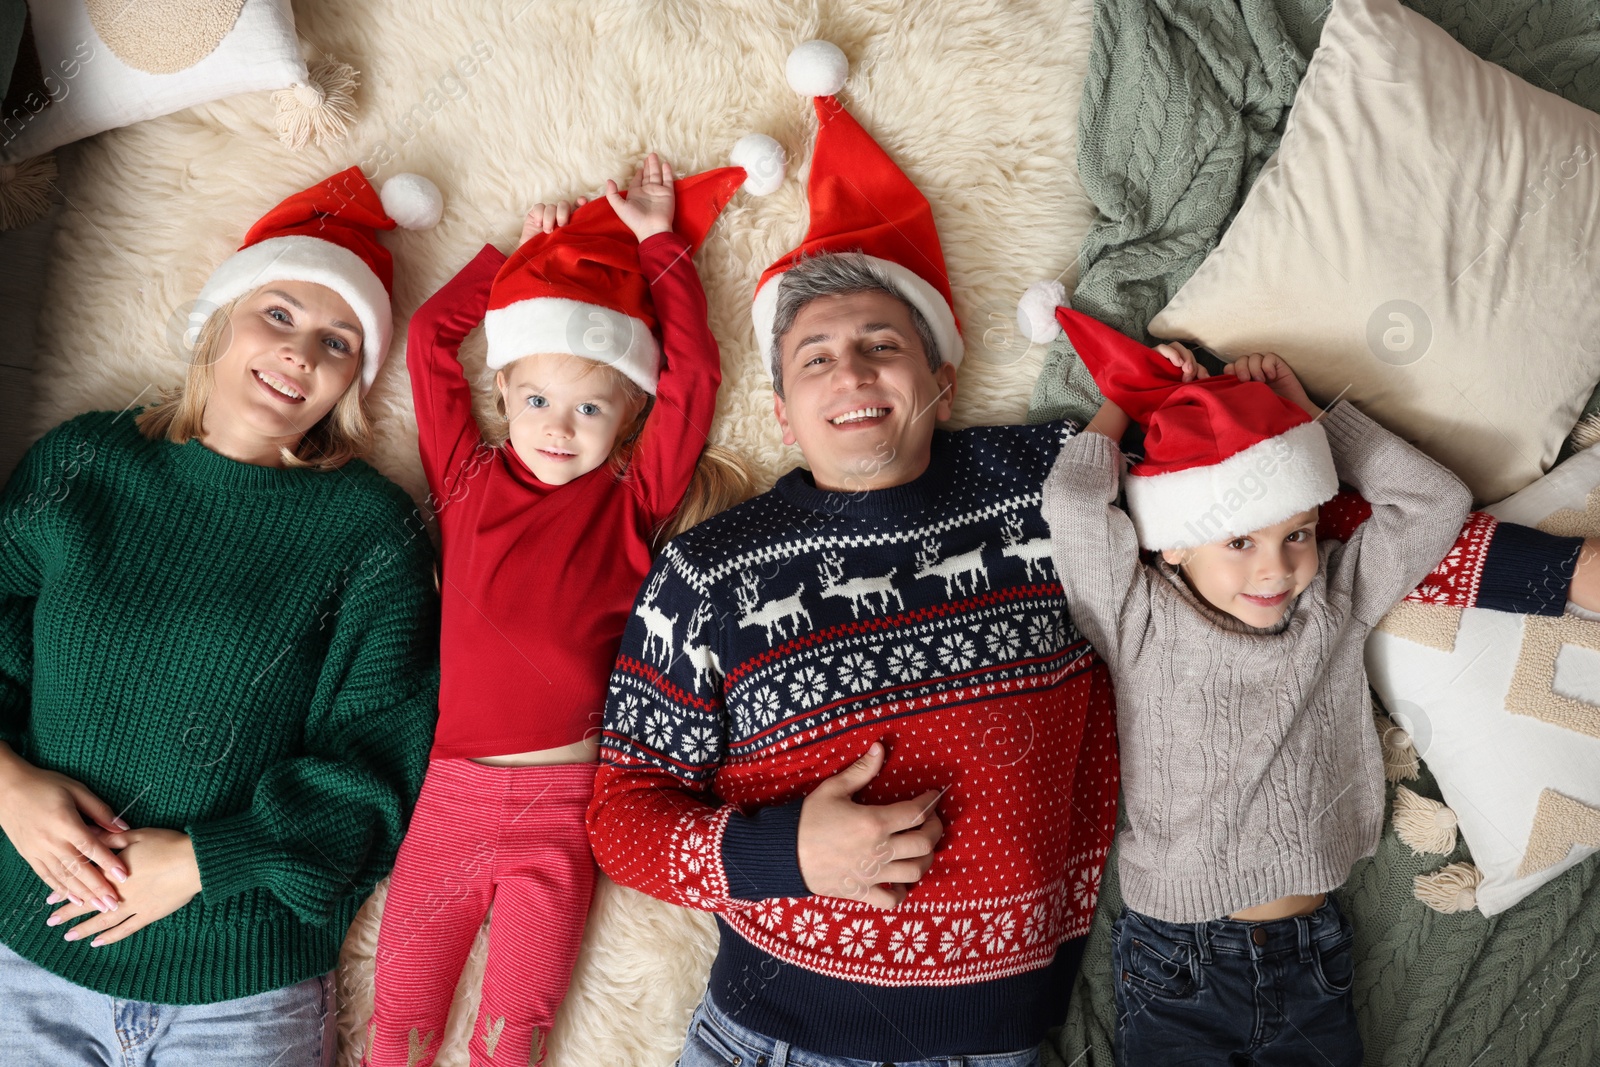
column 1505, row 711
column 109, row 63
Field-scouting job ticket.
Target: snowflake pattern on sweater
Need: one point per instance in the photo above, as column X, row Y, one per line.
column 774, row 643
column 1455, row 582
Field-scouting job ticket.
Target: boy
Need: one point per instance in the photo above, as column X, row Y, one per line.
column 1252, row 776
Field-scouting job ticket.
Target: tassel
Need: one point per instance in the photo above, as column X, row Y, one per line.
column 1449, row 889
column 25, row 191
column 1586, row 433
column 1424, row 824
column 1400, row 759
column 320, row 109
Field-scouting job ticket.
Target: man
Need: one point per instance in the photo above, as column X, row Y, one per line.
column 885, row 626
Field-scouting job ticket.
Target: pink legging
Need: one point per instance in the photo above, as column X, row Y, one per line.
column 511, row 835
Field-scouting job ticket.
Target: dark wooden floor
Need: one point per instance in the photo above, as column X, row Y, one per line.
column 23, row 257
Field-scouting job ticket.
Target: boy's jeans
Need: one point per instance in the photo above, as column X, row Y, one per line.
column 49, row 1020
column 1229, row 992
column 717, row 1041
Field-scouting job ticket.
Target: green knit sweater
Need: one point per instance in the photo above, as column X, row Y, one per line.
column 245, row 653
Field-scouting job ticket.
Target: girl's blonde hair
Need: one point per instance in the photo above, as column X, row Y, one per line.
column 341, row 435
column 721, row 478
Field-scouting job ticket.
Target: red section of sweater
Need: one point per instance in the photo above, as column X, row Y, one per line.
column 539, row 580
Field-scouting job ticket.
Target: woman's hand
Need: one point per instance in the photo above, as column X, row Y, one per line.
column 1270, row 368
column 544, row 218
column 162, row 877
column 647, row 209
column 43, row 813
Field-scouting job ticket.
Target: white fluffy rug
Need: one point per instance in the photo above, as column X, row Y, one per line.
column 977, row 101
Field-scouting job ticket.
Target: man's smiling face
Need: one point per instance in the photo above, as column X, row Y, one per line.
column 858, row 396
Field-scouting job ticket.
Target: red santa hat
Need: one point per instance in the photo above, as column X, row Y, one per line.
column 328, row 234
column 861, row 202
column 1223, row 457
column 582, row 290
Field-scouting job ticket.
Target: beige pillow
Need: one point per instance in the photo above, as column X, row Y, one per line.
column 1421, row 240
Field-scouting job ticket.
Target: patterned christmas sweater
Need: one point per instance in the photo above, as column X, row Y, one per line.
column 770, row 647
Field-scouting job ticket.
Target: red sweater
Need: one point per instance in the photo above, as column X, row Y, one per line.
column 539, row 580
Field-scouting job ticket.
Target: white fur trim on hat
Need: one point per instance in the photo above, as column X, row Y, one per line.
column 1261, row 486
column 300, row 258
column 922, row 296
column 588, row 331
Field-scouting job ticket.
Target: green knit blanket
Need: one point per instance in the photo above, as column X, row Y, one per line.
column 1184, row 102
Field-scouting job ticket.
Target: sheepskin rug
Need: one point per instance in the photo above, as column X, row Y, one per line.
column 505, row 104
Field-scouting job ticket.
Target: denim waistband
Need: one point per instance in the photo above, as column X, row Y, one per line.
column 759, row 1050
column 1295, row 934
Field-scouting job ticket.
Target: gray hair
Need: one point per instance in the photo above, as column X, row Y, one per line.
column 836, row 274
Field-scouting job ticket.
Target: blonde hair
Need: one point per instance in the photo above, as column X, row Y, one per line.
column 721, row 479
column 341, row 435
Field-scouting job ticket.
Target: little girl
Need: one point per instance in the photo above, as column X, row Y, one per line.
column 1251, row 773
column 545, row 541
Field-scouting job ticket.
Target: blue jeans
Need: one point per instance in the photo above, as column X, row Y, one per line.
column 717, row 1041
column 48, row 1020
column 1235, row 994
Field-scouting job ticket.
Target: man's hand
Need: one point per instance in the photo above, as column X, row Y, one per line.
column 873, row 853
column 1585, row 588
column 162, row 877
column 1270, row 368
column 43, row 813
column 544, row 218
column 647, row 209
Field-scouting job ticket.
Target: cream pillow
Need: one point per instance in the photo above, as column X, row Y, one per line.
column 1505, row 709
column 1421, row 240
column 109, row 63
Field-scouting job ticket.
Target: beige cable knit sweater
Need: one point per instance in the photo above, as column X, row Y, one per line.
column 1250, row 766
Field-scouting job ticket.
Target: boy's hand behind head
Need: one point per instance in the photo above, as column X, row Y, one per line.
column 544, row 218
column 1271, row 369
column 647, row 209
column 1180, row 356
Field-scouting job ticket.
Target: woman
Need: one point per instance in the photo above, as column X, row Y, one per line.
column 217, row 674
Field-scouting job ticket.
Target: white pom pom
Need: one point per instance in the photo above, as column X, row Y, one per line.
column 817, row 68
column 763, row 160
column 412, row 201
column 1036, row 311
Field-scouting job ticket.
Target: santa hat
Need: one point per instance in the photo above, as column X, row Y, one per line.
column 1223, row 457
column 861, row 202
column 328, row 234
column 582, row 290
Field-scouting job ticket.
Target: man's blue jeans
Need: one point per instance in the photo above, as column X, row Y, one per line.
column 48, row 1020
column 1228, row 993
column 717, row 1041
